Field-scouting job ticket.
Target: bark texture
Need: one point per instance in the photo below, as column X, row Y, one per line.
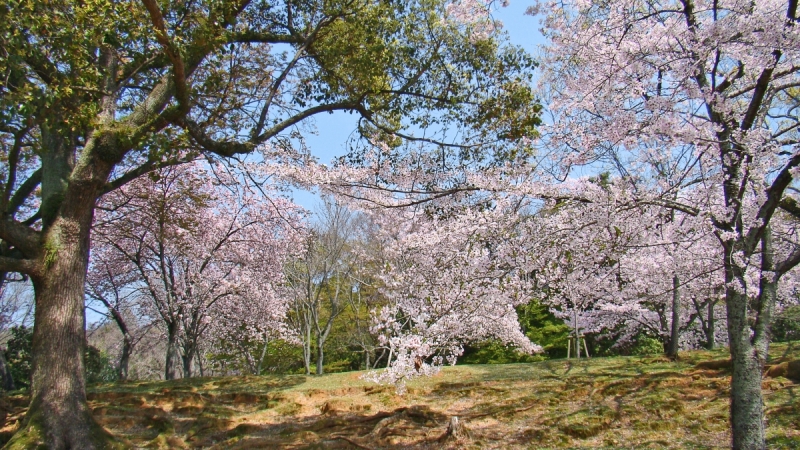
column 675, row 332
column 58, row 416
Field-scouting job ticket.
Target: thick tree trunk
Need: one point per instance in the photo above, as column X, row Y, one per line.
column 188, row 359
column 172, row 353
column 58, row 416
column 675, row 332
column 747, row 421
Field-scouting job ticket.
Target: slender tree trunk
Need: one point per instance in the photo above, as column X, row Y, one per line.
column 307, row 351
column 172, row 353
column 5, row 374
column 675, row 331
column 260, row 365
column 124, row 358
column 127, row 340
column 320, row 357
column 711, row 325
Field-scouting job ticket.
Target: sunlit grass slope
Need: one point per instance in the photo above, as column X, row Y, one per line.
column 625, row 402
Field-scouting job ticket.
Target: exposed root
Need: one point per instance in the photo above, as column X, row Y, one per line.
column 351, row 442
column 33, row 435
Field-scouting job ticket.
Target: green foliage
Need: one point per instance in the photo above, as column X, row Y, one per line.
column 495, row 352
column 541, row 327
column 99, row 365
column 786, row 326
column 281, row 357
column 646, row 345
column 18, row 355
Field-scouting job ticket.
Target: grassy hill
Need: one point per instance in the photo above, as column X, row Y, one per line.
column 624, row 402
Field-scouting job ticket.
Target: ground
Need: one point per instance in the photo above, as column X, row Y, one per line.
column 624, row 402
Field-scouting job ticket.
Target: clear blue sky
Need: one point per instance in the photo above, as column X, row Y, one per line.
column 334, row 129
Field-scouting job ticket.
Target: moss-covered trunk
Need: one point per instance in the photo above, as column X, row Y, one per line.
column 58, row 416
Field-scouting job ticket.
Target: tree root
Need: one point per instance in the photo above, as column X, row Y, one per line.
column 33, row 435
column 351, row 442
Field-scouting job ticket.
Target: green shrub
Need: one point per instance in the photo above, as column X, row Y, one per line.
column 786, row 326
column 18, row 355
column 99, row 366
column 646, row 345
column 538, row 324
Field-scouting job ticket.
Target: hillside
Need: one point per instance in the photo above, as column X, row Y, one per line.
column 624, row 402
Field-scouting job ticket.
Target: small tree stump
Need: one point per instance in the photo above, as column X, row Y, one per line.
column 455, row 430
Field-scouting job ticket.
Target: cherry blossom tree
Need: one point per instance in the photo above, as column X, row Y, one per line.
column 97, row 94
column 109, row 283
column 630, row 81
column 203, row 255
column 449, row 280
column 626, row 268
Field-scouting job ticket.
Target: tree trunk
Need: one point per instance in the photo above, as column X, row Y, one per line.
column 58, row 416
column 747, row 421
column 711, row 325
column 172, row 354
column 124, row 358
column 320, row 357
column 5, row 374
column 188, row 358
column 261, row 359
column 307, row 348
column 675, row 331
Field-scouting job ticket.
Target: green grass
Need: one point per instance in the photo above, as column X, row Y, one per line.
column 624, row 402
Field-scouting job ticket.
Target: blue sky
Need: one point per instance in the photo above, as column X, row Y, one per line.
column 333, row 130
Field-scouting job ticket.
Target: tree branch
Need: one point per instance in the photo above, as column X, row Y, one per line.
column 21, row 237
column 25, row 266
column 27, row 187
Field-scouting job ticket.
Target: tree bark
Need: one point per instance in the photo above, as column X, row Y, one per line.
column 127, row 341
column 5, row 374
column 307, row 344
column 172, row 354
column 711, row 325
column 124, row 358
column 187, row 365
column 320, row 357
column 261, row 359
column 675, row 332
column 58, row 416
column 747, row 421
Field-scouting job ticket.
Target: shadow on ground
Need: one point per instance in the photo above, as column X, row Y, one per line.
column 636, row 402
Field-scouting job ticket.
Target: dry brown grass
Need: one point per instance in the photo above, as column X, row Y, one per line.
column 636, row 402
